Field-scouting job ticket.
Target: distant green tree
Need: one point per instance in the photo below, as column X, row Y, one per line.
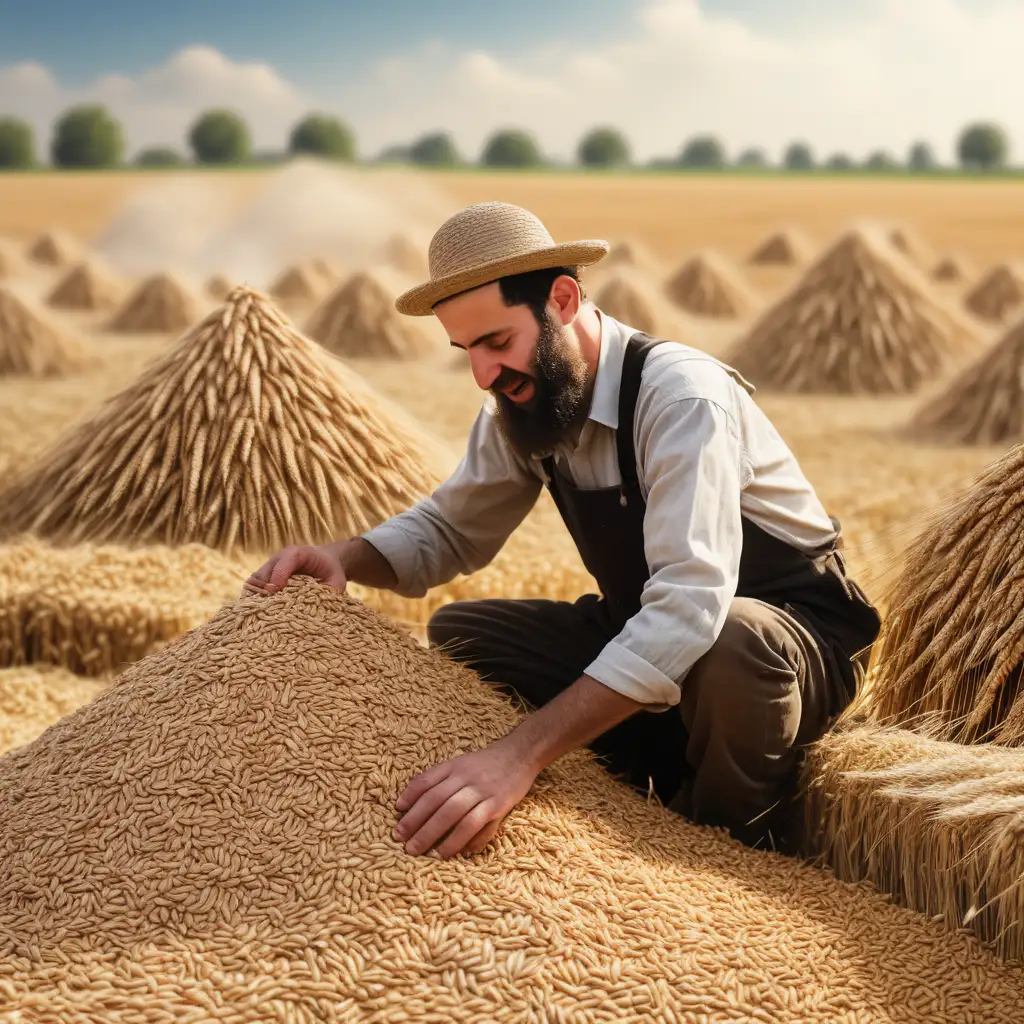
column 322, row 135
column 702, row 151
column 752, row 157
column 159, row 156
column 604, row 147
column 983, row 146
column 881, row 162
column 921, row 157
column 220, row 137
column 798, row 157
column 17, row 143
column 840, row 162
column 511, row 147
column 434, row 150
column 87, row 136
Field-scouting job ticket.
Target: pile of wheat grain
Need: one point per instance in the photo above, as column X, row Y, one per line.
column 11, row 262
column 330, row 270
column 787, row 247
column 245, row 435
column 632, row 254
column 87, row 285
column 54, row 249
column 998, row 295
column 634, row 300
column 161, row 302
column 32, row 699
column 297, row 284
column 938, row 825
column 95, row 610
column 402, row 253
column 951, row 650
column 359, row 319
column 984, row 404
column 219, row 286
column 212, row 838
column 706, row 284
column 859, row 321
column 949, row 270
column 33, row 345
column 911, row 246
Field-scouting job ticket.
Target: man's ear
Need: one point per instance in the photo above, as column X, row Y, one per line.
column 565, row 294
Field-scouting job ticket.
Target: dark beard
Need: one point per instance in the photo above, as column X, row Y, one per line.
column 560, row 390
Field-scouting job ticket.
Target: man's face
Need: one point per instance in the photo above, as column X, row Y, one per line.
column 535, row 370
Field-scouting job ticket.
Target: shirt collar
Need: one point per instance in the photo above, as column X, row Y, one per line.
column 604, row 404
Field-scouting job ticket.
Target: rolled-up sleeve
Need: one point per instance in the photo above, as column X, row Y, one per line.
column 691, row 463
column 465, row 522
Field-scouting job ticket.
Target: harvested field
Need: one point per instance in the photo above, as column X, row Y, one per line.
column 998, row 295
column 96, row 609
column 860, row 320
column 54, row 249
column 87, row 285
column 950, row 270
column 783, row 248
column 33, row 345
column 884, row 802
column 161, row 303
column 299, row 284
column 12, row 263
column 708, row 285
column 172, row 815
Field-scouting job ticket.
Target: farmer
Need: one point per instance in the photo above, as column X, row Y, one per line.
column 726, row 634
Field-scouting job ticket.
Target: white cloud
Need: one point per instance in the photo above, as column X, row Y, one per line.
column 903, row 70
column 158, row 105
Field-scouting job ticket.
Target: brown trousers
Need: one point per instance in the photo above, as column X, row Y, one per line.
column 728, row 754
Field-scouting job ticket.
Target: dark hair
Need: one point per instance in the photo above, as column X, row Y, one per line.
column 533, row 288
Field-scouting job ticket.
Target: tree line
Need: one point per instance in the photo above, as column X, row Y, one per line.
column 88, row 136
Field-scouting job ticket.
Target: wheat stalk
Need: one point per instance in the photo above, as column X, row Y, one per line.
column 33, row 345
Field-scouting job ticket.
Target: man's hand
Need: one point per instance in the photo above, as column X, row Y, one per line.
column 322, row 563
column 460, row 804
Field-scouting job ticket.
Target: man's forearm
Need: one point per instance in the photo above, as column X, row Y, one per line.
column 576, row 716
column 364, row 564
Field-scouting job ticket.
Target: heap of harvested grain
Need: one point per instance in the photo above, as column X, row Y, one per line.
column 298, row 283
column 11, row 262
column 949, row 270
column 632, row 253
column 909, row 244
column 940, row 826
column 54, row 249
column 213, row 836
column 951, row 650
column 330, row 271
column 359, row 319
column 95, row 610
column 161, row 302
column 708, row 285
column 32, row 699
column 998, row 295
column 985, row 403
column 245, row 435
column 31, row 344
column 402, row 253
column 788, row 248
column 632, row 299
column 88, row 285
column 859, row 321
column 219, row 287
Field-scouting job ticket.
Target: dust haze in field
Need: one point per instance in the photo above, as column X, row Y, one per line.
column 196, row 226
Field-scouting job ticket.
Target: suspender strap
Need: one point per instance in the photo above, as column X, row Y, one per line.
column 637, row 349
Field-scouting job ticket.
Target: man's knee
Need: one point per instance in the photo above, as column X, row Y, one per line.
column 450, row 625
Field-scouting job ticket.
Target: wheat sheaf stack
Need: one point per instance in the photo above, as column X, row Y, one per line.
column 161, row 303
column 32, row 345
column 299, row 283
column 706, row 284
column 359, row 319
column 999, row 293
column 219, row 286
column 951, row 650
column 213, row 838
column 938, row 825
column 949, row 270
column 859, row 321
column 87, row 285
column 54, row 249
column 94, row 609
column 633, row 254
column 787, row 248
column 982, row 405
column 244, row 436
column 630, row 298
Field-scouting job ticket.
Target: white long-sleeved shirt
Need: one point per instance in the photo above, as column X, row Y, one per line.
column 706, row 456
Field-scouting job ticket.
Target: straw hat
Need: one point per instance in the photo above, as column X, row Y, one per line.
column 484, row 242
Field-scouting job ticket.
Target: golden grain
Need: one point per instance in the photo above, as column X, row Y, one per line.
column 160, row 303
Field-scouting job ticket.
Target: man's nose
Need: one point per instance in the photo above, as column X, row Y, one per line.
column 486, row 369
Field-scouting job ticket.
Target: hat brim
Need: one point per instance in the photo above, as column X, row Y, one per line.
column 420, row 301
